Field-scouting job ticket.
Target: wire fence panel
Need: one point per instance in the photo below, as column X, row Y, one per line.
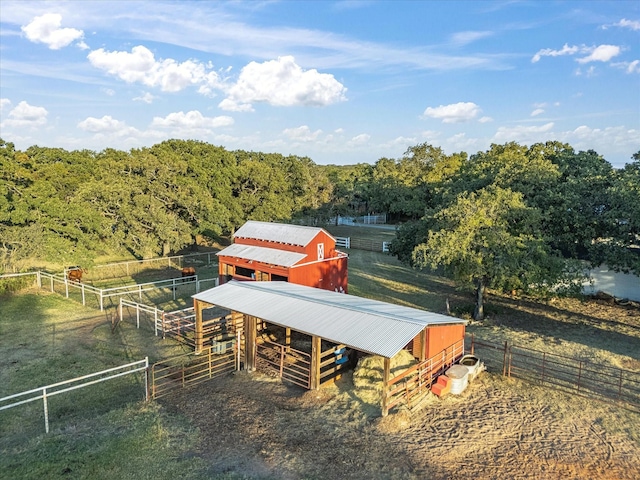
column 573, row 375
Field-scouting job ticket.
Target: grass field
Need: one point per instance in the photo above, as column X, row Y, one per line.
column 256, row 427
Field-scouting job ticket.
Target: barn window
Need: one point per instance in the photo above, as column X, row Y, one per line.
column 245, row 272
column 278, row 278
column 321, row 251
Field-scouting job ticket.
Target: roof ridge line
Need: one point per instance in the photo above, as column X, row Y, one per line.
column 401, row 318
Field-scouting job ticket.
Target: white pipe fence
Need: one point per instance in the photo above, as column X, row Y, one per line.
column 130, row 267
column 343, row 242
column 50, row 390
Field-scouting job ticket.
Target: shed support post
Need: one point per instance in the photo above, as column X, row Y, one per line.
column 423, row 345
column 316, row 347
column 385, row 386
column 250, row 334
column 197, row 306
column 287, row 339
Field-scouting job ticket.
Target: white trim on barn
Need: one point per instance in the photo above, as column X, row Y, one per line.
column 271, row 256
column 279, row 232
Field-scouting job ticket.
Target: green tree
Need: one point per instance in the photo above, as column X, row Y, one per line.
column 487, row 239
column 620, row 250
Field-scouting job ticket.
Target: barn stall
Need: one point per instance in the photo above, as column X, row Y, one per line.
column 338, row 328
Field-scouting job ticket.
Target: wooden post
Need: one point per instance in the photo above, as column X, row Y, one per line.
column 385, row 386
column 504, row 362
column 423, row 344
column 316, row 347
column 197, row 306
column 287, row 340
column 250, row 334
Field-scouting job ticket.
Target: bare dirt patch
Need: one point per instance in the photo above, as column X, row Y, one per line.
column 253, row 426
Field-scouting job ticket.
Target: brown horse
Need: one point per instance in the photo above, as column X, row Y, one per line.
column 74, row 274
column 188, row 272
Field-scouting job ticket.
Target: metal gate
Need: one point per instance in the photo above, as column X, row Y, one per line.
column 179, row 372
column 291, row 365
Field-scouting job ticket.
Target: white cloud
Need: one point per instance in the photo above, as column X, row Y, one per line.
column 193, row 119
column 485, row 119
column 4, row 104
column 602, row 53
column 521, row 133
column 624, row 23
column 549, row 52
column 589, row 72
column 146, row 97
column 282, row 83
column 537, row 111
column 454, row 113
column 464, row 38
column 358, row 140
column 106, row 124
column 46, row 29
column 633, row 67
column 231, row 106
column 302, row 134
column 25, row 115
column 609, row 141
column 141, row 66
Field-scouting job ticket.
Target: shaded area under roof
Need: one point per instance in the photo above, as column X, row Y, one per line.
column 271, row 256
column 367, row 325
column 279, row 232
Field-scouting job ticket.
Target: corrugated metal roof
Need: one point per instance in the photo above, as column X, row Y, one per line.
column 279, row 232
column 367, row 325
column 271, row 256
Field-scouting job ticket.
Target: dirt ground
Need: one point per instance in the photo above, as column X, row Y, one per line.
column 253, row 426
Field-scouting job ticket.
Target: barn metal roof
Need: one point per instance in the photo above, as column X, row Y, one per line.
column 279, row 232
column 367, row 325
column 271, row 256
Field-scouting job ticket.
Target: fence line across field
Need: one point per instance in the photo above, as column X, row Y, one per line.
column 105, row 293
column 132, row 266
column 46, row 391
column 573, row 375
column 362, row 244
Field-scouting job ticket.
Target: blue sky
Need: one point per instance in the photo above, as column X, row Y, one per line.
column 339, row 82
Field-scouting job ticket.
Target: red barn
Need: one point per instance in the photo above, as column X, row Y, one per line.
column 265, row 251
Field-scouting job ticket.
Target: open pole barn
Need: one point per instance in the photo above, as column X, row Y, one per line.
column 336, row 328
column 265, row 251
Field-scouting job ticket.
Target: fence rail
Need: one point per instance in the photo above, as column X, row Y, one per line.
column 43, row 393
column 130, row 267
column 291, row 365
column 89, row 293
column 190, row 369
column 362, row 244
column 412, row 386
column 576, row 376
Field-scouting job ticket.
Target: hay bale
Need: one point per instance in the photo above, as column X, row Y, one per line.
column 367, row 376
column 395, row 422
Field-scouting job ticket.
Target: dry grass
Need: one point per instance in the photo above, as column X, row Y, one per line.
column 254, row 426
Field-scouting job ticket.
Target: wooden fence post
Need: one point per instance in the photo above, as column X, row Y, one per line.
column 385, row 386
column 504, row 361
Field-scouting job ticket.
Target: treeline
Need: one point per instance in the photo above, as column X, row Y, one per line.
column 70, row 206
